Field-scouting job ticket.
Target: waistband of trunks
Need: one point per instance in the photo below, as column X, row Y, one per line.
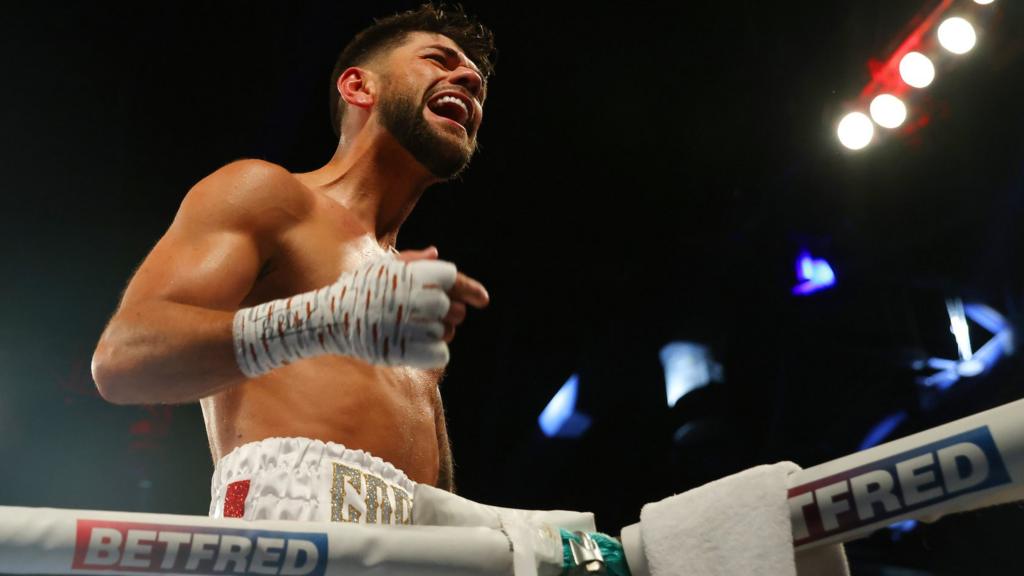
column 305, row 479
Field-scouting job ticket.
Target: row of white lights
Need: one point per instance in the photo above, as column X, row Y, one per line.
column 856, row 130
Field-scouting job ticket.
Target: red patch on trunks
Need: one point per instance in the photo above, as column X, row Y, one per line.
column 234, row 501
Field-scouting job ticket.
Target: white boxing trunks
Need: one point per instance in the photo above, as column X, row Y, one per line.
column 310, row 480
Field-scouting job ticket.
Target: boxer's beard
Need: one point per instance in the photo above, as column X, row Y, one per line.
column 404, row 119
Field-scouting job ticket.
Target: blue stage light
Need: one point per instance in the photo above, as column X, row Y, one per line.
column 986, row 317
column 688, row 366
column 958, row 327
column 900, row 528
column 559, row 418
column 814, row 274
column 970, row 362
column 882, row 430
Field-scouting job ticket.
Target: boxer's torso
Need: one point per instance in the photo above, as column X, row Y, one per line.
column 389, row 412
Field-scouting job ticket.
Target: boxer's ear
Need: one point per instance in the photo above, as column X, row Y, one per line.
column 354, row 87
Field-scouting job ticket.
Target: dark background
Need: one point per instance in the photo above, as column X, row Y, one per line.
column 648, row 173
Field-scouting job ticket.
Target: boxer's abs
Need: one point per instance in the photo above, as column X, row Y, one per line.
column 389, row 412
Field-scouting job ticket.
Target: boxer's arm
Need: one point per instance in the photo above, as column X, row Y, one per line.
column 170, row 339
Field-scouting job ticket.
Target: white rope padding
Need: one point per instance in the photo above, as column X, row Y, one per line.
column 53, row 541
column 971, row 463
column 967, row 464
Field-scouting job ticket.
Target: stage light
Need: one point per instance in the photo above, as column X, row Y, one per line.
column 970, row 363
column 983, row 2
column 900, row 528
column 888, row 111
column 957, row 35
column 917, row 70
column 688, row 366
column 883, row 430
column 814, row 273
column 560, row 407
column 986, row 317
column 560, row 418
column 958, row 327
column 855, row 131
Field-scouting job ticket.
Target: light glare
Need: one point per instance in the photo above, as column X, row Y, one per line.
column 814, row 274
column 688, row 366
column 560, row 408
column 957, row 35
column 882, row 430
column 855, row 131
column 958, row 327
column 888, row 111
column 917, row 70
column 970, row 363
column 983, row 2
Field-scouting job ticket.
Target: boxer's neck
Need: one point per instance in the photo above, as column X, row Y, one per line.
column 377, row 179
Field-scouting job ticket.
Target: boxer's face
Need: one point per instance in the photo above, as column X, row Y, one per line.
column 431, row 101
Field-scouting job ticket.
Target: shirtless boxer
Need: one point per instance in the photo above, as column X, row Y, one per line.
column 333, row 394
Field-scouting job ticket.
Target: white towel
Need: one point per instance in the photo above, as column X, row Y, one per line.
column 738, row 525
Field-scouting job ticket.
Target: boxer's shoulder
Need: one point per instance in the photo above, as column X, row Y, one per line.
column 250, row 193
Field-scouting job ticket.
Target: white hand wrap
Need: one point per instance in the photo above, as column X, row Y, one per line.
column 386, row 312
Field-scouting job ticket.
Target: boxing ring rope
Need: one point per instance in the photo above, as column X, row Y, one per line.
column 51, row 541
column 970, row 463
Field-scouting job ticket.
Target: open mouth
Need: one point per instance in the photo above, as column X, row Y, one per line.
column 452, row 106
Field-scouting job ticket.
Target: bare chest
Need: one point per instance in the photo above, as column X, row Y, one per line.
column 314, row 253
column 389, row 411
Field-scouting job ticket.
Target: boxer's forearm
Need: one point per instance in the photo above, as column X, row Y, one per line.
column 387, row 312
column 165, row 352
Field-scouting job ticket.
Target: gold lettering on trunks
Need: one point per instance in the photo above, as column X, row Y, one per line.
column 403, row 506
column 353, row 514
column 373, row 502
column 338, row 491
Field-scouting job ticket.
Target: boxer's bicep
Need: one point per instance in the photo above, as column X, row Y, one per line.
column 211, row 269
column 224, row 232
column 170, row 340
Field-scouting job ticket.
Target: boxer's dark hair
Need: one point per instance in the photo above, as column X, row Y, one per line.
column 475, row 40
